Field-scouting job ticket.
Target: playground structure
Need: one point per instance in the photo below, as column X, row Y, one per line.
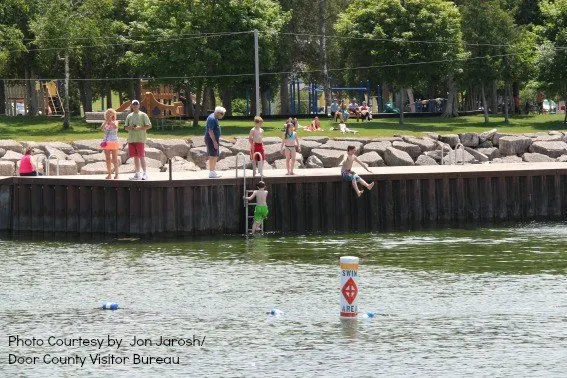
column 46, row 94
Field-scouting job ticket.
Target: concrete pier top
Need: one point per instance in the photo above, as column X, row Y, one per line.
column 327, row 174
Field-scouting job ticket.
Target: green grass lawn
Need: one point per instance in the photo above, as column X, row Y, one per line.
column 50, row 129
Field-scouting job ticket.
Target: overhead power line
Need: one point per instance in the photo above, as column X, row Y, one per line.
column 278, row 73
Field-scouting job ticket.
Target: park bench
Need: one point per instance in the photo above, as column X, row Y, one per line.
column 98, row 117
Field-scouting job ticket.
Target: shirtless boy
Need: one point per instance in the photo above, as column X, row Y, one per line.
column 261, row 210
column 349, row 175
column 257, row 144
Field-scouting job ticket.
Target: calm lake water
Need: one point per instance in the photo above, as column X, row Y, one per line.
column 483, row 302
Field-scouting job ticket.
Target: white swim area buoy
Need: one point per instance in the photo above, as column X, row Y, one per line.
column 109, row 306
column 349, row 287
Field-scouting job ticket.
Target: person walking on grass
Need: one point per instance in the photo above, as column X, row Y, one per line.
column 290, row 146
column 110, row 143
column 261, row 210
column 212, row 139
column 349, row 175
column 256, row 137
column 137, row 123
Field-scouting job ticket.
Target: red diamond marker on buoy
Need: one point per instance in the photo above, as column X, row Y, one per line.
column 350, row 290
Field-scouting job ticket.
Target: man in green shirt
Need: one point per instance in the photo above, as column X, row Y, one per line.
column 137, row 123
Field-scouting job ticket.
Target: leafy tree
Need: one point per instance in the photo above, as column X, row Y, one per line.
column 389, row 39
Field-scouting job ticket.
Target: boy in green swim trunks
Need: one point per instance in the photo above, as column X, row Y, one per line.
column 261, row 210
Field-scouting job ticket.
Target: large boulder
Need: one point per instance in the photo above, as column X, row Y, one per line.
column 413, row 150
column 496, row 138
column 12, row 156
column 372, row 159
column 487, row 135
column 479, row 156
column 562, row 159
column 551, row 149
column 451, row 139
column 425, row 144
column 307, row 146
column 341, row 145
column 150, row 163
column 65, row 147
column 241, row 145
column 54, row 152
column 11, row 145
column 230, row 163
column 514, row 145
column 198, row 141
column 273, row 152
column 66, row 168
column 379, row 147
column 87, row 144
column 171, row 147
column 469, row 139
column 93, row 158
column 280, row 164
column 199, row 155
column 178, row 164
column 156, row 154
column 7, row 168
column 317, row 139
column 329, row 158
column 97, row 168
column 2, row 152
column 272, row 140
column 492, row 152
column 314, row 162
column 396, row 157
column 548, row 138
column 485, row 144
column 459, row 156
column 508, row 159
column 536, row 158
column 425, row 160
column 78, row 159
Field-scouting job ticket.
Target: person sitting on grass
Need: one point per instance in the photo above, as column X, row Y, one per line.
column 344, row 129
column 349, row 175
column 315, row 125
column 261, row 210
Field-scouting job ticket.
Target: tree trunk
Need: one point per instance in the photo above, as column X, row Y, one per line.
column 451, row 106
column 284, row 95
column 484, row 105
column 31, row 93
column 199, row 94
column 494, row 97
column 322, row 19
column 138, row 89
column 108, row 96
column 2, row 98
column 131, row 89
column 66, row 112
column 265, row 100
column 189, row 110
column 226, row 98
column 411, row 100
column 208, row 99
column 506, row 116
column 402, row 102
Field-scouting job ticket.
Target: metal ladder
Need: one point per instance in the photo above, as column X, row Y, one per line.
column 247, row 204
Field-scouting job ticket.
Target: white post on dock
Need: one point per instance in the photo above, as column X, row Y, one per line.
column 349, row 287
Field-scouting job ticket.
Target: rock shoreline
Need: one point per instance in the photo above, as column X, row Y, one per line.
column 490, row 147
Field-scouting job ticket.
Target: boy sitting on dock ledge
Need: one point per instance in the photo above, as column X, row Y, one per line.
column 349, row 175
column 261, row 210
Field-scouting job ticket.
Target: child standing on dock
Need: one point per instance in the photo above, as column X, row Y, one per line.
column 349, row 175
column 257, row 144
column 290, row 146
column 261, row 210
column 110, row 143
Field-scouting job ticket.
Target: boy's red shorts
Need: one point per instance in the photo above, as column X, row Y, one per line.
column 259, row 147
